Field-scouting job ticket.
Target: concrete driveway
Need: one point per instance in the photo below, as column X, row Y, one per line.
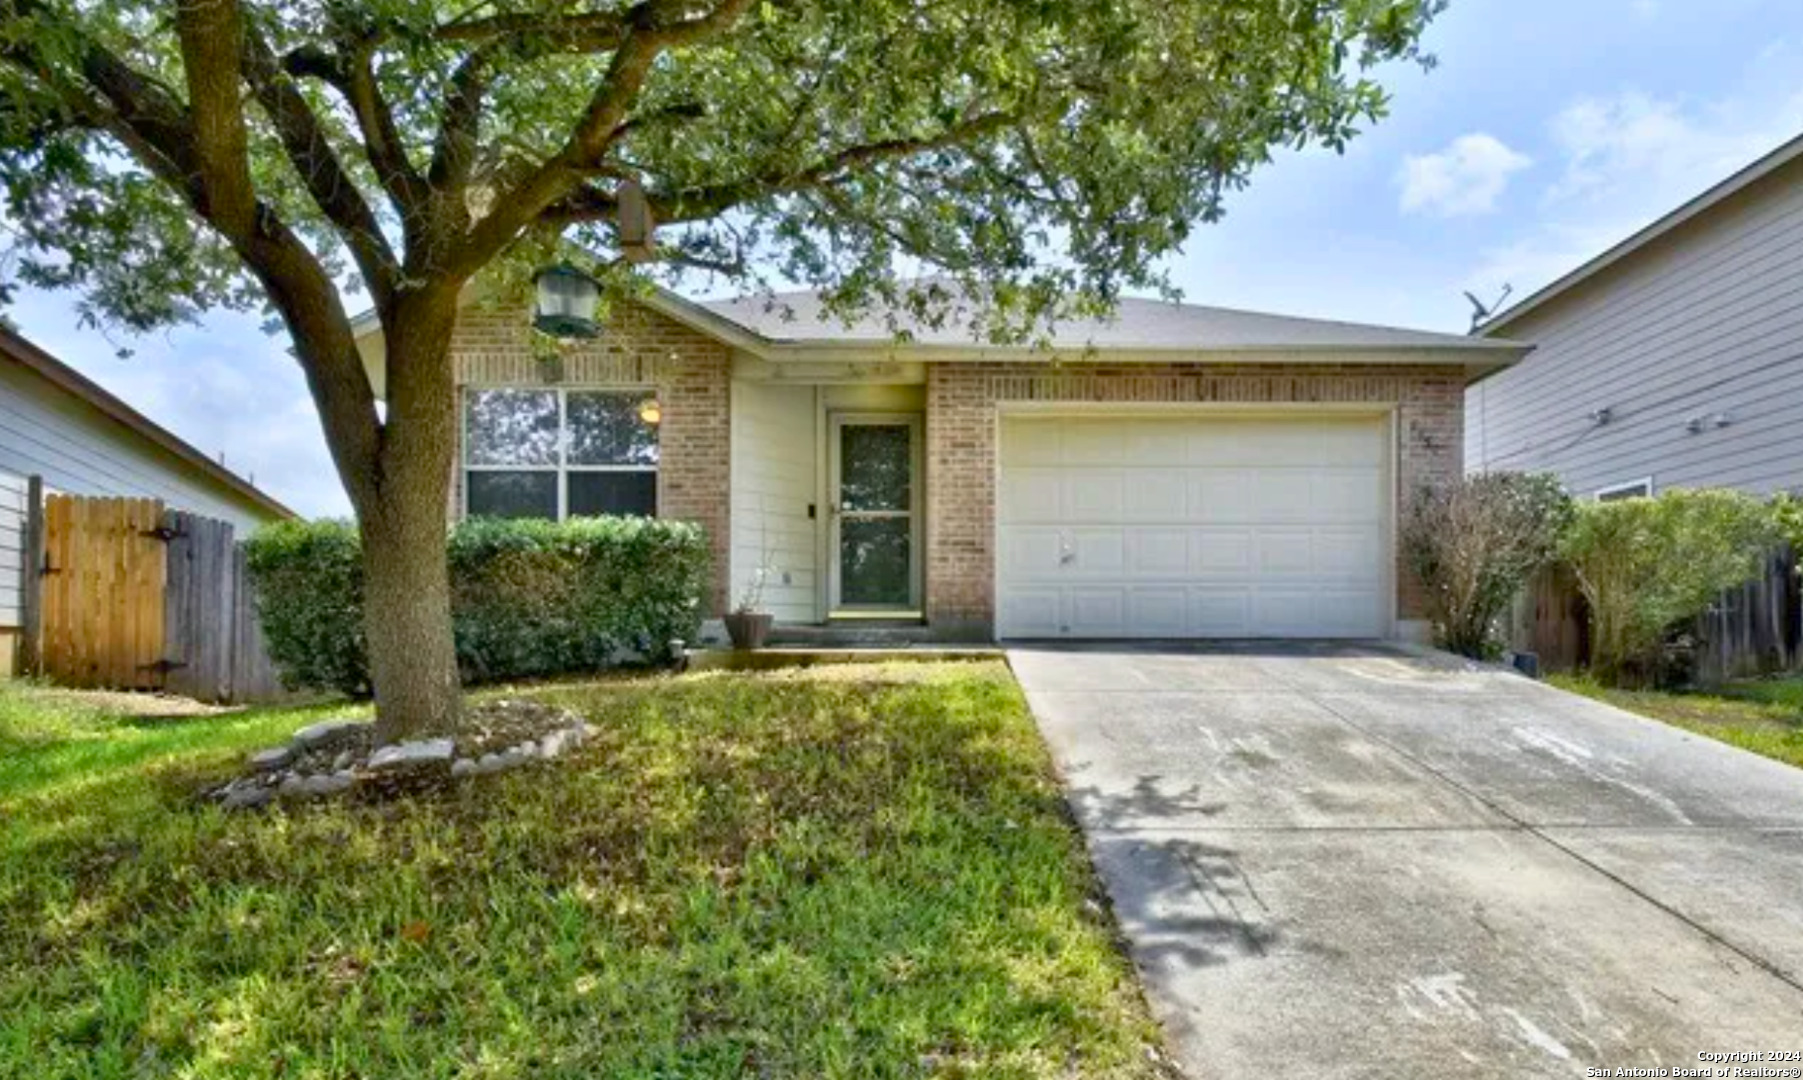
column 1337, row 861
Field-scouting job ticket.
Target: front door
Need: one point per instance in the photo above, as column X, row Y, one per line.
column 875, row 509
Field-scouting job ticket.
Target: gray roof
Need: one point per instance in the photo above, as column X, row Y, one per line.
column 1136, row 325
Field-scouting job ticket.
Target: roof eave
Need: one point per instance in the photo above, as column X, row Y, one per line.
column 1693, row 208
column 73, row 382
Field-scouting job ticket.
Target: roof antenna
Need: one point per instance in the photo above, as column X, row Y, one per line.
column 1481, row 312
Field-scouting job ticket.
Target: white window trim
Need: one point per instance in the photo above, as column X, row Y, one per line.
column 1629, row 488
column 562, row 465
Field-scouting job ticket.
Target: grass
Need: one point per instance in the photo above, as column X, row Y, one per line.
column 857, row 872
column 1761, row 715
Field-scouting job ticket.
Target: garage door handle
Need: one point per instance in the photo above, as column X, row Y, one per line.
column 1066, row 558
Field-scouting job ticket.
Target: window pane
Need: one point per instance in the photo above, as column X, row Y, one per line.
column 608, row 428
column 613, row 493
column 874, row 465
column 511, row 494
column 512, row 427
column 874, row 562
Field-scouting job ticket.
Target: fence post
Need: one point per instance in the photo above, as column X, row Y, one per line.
column 32, row 575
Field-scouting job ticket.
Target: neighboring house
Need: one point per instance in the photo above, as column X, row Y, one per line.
column 58, row 424
column 1174, row 472
column 1674, row 359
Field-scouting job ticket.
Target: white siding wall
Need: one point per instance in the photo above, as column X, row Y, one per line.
column 1706, row 320
column 12, row 547
column 79, row 450
column 774, row 479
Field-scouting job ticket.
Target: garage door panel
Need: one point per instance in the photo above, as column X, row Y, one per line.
column 1155, row 496
column 1222, row 611
column 1032, row 611
column 1345, row 495
column 1347, row 552
column 1344, row 613
column 1093, row 495
column 1221, row 550
column 1193, row 527
column 1158, row 612
column 1221, row 496
column 1098, row 552
column 1087, row 443
column 1026, row 445
column 1281, row 495
column 1156, row 441
column 1033, row 552
column 1287, row 552
column 1104, row 608
column 1158, row 552
column 1032, row 495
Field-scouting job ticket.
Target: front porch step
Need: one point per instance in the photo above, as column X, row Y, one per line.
column 864, row 633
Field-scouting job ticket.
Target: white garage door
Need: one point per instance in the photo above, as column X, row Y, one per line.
column 1166, row 527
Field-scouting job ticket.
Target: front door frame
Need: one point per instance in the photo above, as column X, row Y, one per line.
column 836, row 422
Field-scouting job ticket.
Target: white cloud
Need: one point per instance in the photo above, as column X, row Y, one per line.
column 1626, row 160
column 1465, row 178
column 225, row 387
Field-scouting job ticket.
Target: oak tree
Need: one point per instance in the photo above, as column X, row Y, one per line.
column 167, row 158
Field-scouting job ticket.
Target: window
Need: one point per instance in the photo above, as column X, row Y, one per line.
column 1633, row 489
column 558, row 453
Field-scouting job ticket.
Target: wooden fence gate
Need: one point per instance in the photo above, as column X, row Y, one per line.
column 103, row 579
column 136, row 597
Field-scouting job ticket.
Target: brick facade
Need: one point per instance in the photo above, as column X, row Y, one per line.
column 692, row 376
column 961, row 432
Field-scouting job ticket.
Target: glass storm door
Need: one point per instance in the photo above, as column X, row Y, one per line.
column 875, row 512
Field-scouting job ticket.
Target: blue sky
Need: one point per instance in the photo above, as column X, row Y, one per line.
column 1549, row 130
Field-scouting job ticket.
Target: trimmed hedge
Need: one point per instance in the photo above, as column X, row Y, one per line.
column 528, row 598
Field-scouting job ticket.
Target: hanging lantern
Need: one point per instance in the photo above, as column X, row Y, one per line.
column 635, row 225
column 567, row 299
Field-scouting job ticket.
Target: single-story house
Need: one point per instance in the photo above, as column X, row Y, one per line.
column 1172, row 472
column 1674, row 359
column 60, row 425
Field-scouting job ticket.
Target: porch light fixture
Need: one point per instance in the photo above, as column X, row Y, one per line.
column 566, row 304
column 651, row 412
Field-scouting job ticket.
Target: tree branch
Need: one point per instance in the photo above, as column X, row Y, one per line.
column 454, row 149
column 211, row 33
column 331, row 187
column 349, row 72
column 648, row 35
column 695, row 204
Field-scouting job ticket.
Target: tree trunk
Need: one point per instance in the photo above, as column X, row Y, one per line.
column 407, row 619
column 403, row 522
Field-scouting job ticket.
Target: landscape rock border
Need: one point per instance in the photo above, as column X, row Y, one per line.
column 339, row 757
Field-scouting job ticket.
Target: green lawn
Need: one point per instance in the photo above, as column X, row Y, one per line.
column 1761, row 715
column 850, row 872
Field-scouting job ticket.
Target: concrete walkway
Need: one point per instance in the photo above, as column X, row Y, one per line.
column 1336, row 861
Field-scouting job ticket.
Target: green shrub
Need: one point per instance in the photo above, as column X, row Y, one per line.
column 1648, row 564
column 528, row 598
column 309, row 580
column 1472, row 545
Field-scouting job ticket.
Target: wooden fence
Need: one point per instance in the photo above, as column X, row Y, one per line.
column 132, row 596
column 1754, row 629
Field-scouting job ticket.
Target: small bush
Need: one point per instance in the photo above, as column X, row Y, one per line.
column 309, row 579
column 1474, row 543
column 1646, row 565
column 528, row 598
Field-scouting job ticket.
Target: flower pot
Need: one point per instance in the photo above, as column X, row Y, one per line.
column 748, row 629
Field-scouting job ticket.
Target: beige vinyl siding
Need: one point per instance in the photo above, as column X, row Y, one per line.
column 774, row 479
column 78, row 449
column 1705, row 321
